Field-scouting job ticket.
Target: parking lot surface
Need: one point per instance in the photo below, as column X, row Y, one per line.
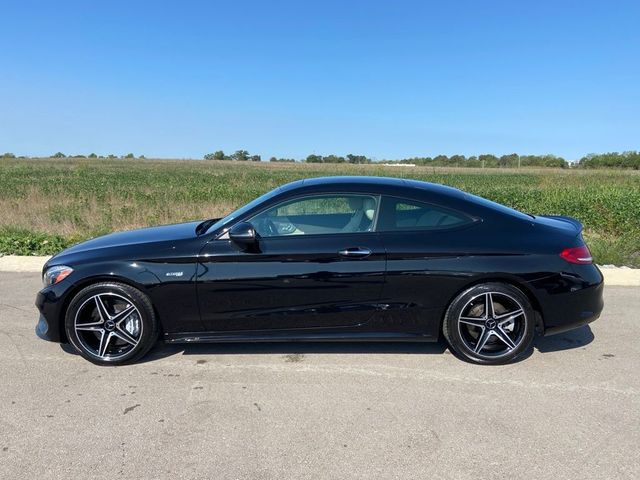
column 571, row 410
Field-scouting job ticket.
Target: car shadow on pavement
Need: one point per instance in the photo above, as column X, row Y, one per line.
column 294, row 348
column 565, row 341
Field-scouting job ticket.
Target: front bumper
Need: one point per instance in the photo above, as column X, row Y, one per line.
column 42, row 328
column 50, row 303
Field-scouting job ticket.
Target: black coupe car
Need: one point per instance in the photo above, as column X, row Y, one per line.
column 329, row 259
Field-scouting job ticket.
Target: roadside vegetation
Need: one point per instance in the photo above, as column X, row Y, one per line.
column 47, row 204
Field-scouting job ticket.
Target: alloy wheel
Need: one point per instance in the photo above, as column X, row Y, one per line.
column 492, row 324
column 108, row 326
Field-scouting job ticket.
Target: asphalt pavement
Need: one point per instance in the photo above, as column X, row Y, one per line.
column 346, row 411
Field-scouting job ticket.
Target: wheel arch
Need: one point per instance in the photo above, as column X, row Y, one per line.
column 509, row 280
column 86, row 282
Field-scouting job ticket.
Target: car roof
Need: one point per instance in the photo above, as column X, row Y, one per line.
column 418, row 190
column 379, row 184
column 353, row 179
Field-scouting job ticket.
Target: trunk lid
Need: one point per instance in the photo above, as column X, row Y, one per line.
column 567, row 224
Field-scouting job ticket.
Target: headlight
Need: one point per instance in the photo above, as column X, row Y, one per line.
column 56, row 274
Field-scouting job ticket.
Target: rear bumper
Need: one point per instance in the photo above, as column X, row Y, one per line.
column 570, row 326
column 579, row 301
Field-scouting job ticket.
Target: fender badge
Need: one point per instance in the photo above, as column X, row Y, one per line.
column 174, row 274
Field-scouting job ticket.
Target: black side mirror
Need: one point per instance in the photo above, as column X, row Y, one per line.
column 244, row 235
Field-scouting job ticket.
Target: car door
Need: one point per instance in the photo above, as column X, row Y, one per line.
column 425, row 245
column 318, row 264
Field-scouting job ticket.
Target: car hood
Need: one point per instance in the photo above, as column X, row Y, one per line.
column 163, row 233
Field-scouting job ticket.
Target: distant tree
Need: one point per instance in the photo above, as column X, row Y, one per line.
column 58, row 155
column 472, row 161
column 333, row 159
column 218, row 155
column 240, row 156
column 255, row 158
column 457, row 160
column 314, row 159
column 357, row 159
column 488, row 160
column 142, row 157
column 111, row 156
column 129, row 155
column 8, row 155
column 441, row 160
column 630, row 159
column 553, row 161
column 508, row 160
column 92, row 155
column 542, row 161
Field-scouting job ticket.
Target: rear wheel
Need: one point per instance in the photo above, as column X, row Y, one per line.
column 111, row 323
column 491, row 323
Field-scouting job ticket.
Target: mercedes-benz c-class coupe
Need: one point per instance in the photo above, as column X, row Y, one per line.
column 329, row 259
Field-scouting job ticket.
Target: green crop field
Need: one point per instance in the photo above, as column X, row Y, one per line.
column 46, row 204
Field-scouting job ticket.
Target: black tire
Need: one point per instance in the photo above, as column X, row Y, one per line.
column 98, row 315
column 473, row 337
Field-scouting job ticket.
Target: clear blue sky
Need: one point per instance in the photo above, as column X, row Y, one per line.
column 384, row 79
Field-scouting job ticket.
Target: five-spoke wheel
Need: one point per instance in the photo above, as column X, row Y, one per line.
column 490, row 323
column 108, row 325
column 111, row 323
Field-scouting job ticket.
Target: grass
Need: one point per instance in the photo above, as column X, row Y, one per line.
column 47, row 204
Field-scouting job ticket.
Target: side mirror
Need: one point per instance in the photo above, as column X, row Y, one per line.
column 244, row 235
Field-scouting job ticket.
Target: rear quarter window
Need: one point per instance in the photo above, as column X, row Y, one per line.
column 399, row 214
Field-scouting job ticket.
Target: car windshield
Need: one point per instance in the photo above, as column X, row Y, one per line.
column 242, row 210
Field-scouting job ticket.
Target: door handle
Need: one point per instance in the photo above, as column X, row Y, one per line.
column 355, row 252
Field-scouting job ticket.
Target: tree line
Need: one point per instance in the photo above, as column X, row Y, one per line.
column 238, row 156
column 628, row 159
column 62, row 155
column 486, row 160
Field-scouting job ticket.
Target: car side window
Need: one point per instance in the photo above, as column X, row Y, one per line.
column 318, row 214
column 402, row 214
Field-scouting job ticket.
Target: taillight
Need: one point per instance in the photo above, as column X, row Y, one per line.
column 580, row 255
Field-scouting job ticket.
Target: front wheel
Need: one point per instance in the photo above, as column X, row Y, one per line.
column 491, row 323
column 111, row 323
